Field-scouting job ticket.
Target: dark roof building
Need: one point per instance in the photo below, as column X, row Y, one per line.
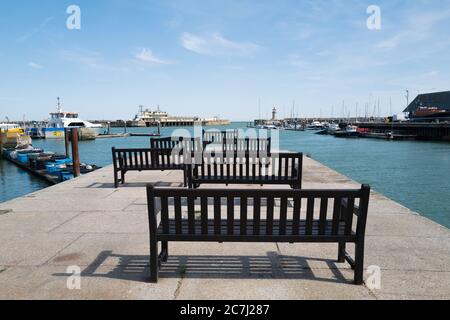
column 439, row 100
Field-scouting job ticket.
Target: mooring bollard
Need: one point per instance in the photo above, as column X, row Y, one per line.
column 75, row 153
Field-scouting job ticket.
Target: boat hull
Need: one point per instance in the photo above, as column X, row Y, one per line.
column 83, row 133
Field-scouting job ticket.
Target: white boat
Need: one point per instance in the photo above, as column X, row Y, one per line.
column 61, row 120
column 349, row 132
column 315, row 125
column 332, row 128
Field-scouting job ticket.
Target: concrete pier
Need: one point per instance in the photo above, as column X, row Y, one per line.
column 104, row 231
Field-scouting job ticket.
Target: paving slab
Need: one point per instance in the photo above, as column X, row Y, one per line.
column 88, row 223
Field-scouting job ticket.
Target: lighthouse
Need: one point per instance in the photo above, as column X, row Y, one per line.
column 274, row 114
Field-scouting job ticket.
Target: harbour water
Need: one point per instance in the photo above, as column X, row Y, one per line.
column 415, row 174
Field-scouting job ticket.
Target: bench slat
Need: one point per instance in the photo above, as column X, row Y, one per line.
column 243, row 221
column 270, row 204
column 256, row 215
column 336, row 214
column 296, row 215
column 178, row 217
column 230, row 215
column 165, row 214
column 191, row 214
column 283, row 215
column 323, row 215
column 309, row 216
column 204, row 214
column 349, row 215
column 217, row 215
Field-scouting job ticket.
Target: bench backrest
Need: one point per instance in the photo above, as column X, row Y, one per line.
column 146, row 159
column 219, row 136
column 316, row 214
column 177, row 143
column 259, row 145
column 249, row 164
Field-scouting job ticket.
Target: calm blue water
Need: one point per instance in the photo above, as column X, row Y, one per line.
column 415, row 174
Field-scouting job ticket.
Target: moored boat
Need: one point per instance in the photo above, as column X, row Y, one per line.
column 61, row 120
column 13, row 136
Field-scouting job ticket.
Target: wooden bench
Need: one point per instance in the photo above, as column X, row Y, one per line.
column 219, row 136
column 259, row 145
column 220, row 215
column 147, row 159
column 246, row 168
column 188, row 144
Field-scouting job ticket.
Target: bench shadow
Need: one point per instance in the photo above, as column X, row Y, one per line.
column 271, row 266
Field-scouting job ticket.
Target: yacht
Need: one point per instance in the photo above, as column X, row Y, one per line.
column 333, row 128
column 315, row 125
column 61, row 120
column 349, row 132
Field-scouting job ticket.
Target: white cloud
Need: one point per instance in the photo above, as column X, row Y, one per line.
column 147, row 56
column 35, row 30
column 296, row 61
column 34, row 65
column 419, row 27
column 84, row 57
column 323, row 53
column 431, row 74
column 216, row 44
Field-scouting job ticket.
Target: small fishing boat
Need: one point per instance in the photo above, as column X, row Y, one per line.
column 349, row 132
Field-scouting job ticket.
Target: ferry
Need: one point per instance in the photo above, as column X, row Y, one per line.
column 61, row 120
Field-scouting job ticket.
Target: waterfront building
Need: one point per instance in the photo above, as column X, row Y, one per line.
column 430, row 106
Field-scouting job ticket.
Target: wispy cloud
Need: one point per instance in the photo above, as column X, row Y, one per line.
column 296, row 61
column 419, row 27
column 146, row 56
column 216, row 44
column 323, row 53
column 36, row 30
column 34, row 65
column 431, row 74
column 84, row 57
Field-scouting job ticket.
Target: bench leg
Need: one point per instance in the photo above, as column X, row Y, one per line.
column 165, row 251
column 359, row 263
column 341, row 252
column 116, row 179
column 122, row 177
column 153, row 261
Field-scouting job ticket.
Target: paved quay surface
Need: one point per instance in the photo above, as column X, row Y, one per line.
column 87, row 223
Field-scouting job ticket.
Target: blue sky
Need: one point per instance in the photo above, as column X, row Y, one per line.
column 207, row 58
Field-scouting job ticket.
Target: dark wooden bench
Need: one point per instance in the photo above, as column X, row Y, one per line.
column 219, row 136
column 218, row 215
column 188, row 144
column 260, row 145
column 147, row 159
column 247, row 168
